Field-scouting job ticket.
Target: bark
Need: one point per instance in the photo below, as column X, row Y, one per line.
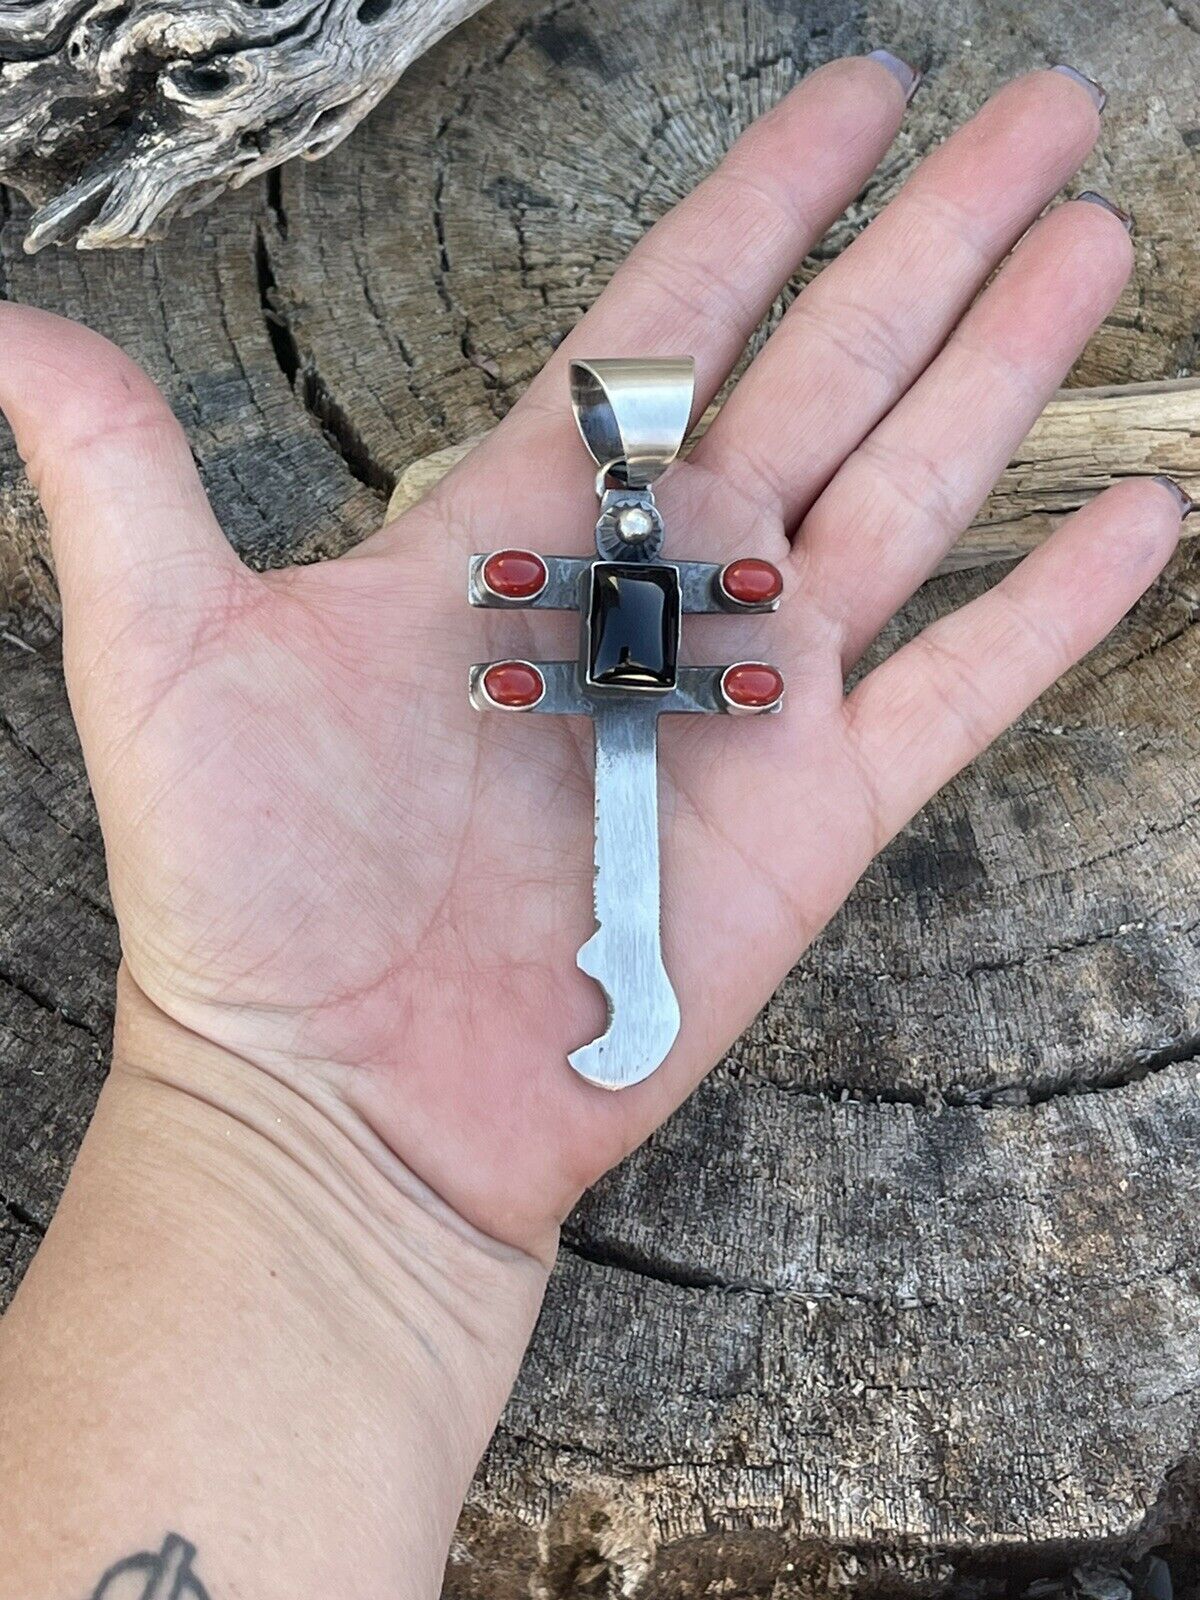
column 907, row 1298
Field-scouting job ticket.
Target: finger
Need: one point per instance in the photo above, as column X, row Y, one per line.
column 904, row 496
column 130, row 526
column 934, row 705
column 865, row 328
column 703, row 278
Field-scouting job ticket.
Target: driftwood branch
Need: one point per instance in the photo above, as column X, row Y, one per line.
column 116, row 115
column 1085, row 440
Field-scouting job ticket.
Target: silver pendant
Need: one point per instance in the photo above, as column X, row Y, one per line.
column 633, row 417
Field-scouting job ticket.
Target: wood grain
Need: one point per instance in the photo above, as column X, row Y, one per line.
column 907, row 1300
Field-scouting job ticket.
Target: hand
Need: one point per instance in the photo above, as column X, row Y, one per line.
column 327, row 864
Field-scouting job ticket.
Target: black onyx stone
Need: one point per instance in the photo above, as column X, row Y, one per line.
column 633, row 627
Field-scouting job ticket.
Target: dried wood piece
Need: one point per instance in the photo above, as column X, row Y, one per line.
column 1085, row 440
column 185, row 99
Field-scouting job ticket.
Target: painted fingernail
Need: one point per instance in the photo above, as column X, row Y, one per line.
column 1182, row 499
column 1098, row 94
column 1094, row 199
column 907, row 77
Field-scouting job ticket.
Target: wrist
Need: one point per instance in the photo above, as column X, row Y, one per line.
column 290, row 1169
column 315, row 1347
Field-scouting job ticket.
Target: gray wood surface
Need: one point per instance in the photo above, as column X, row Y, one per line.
column 907, row 1298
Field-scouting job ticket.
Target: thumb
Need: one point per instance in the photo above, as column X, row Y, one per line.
column 137, row 550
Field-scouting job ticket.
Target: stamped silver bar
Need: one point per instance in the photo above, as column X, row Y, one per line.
column 697, row 691
column 699, row 583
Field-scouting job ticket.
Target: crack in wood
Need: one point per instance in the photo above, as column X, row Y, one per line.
column 621, row 1256
column 47, row 1002
column 304, row 377
column 23, row 1216
column 442, row 281
column 1125, row 1074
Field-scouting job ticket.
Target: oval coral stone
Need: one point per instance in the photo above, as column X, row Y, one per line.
column 515, row 574
column 515, row 685
column 752, row 684
column 751, row 582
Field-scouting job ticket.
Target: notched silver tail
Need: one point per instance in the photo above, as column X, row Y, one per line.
column 624, row 955
column 643, row 1012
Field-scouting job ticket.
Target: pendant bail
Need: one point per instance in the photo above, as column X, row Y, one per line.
column 632, row 415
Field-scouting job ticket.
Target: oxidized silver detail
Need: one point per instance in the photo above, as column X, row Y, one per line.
column 697, row 692
column 611, row 543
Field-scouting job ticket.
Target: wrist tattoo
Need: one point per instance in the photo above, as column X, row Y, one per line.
column 164, row 1574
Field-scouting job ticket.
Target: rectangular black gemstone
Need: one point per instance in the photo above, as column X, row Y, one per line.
column 633, row 627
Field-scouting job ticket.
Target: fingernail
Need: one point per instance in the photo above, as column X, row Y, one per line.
column 907, row 77
column 1182, row 499
column 1099, row 95
column 1094, row 199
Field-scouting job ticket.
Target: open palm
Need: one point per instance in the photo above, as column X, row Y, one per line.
column 325, row 861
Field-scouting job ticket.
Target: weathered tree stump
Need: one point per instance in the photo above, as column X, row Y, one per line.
column 911, row 1288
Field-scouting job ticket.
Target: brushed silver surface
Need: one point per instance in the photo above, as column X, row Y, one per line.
column 633, row 414
column 624, row 955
